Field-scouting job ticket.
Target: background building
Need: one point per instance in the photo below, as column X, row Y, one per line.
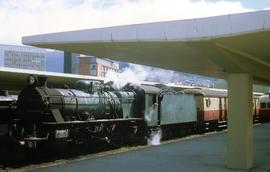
column 88, row 65
column 22, row 57
column 54, row 61
column 25, row 57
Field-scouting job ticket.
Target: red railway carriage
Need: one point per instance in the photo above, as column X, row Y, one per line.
column 264, row 109
column 211, row 107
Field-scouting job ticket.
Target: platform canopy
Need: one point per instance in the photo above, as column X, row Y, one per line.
column 16, row 79
column 213, row 46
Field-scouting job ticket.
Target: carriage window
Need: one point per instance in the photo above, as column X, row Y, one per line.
column 263, row 105
column 268, row 104
column 207, row 102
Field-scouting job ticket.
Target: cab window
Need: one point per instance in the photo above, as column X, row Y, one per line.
column 152, row 99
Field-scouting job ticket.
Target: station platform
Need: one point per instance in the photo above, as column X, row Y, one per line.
column 206, row 153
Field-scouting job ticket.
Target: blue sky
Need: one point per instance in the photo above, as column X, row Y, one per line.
column 253, row 4
column 30, row 17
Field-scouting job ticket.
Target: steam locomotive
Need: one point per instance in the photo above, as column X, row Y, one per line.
column 46, row 118
column 51, row 116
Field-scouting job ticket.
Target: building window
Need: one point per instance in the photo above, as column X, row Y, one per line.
column 93, row 66
column 25, row 60
column 93, row 72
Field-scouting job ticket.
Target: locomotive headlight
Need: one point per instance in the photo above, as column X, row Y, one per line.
column 59, row 134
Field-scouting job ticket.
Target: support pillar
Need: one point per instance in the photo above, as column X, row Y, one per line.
column 240, row 122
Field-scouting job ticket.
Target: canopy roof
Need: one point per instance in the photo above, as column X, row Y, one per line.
column 213, row 46
column 16, row 79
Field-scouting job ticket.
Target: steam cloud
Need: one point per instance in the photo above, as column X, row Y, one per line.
column 155, row 137
column 149, row 115
column 136, row 74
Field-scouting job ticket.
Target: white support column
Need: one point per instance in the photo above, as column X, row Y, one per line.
column 240, row 121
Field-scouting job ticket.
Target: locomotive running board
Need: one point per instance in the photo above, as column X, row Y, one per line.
column 72, row 123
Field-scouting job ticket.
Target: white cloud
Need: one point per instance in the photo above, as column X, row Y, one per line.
column 19, row 18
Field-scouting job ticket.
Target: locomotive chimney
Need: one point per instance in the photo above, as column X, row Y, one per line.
column 42, row 81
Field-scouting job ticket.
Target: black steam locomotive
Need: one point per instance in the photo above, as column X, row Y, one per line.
column 47, row 118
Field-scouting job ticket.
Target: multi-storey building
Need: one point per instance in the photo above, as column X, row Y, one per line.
column 25, row 57
column 54, row 61
column 22, row 57
column 89, row 65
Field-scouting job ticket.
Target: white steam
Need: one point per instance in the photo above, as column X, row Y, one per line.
column 149, row 115
column 137, row 74
column 155, row 137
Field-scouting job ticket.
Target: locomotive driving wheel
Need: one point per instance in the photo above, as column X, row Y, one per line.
column 116, row 136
